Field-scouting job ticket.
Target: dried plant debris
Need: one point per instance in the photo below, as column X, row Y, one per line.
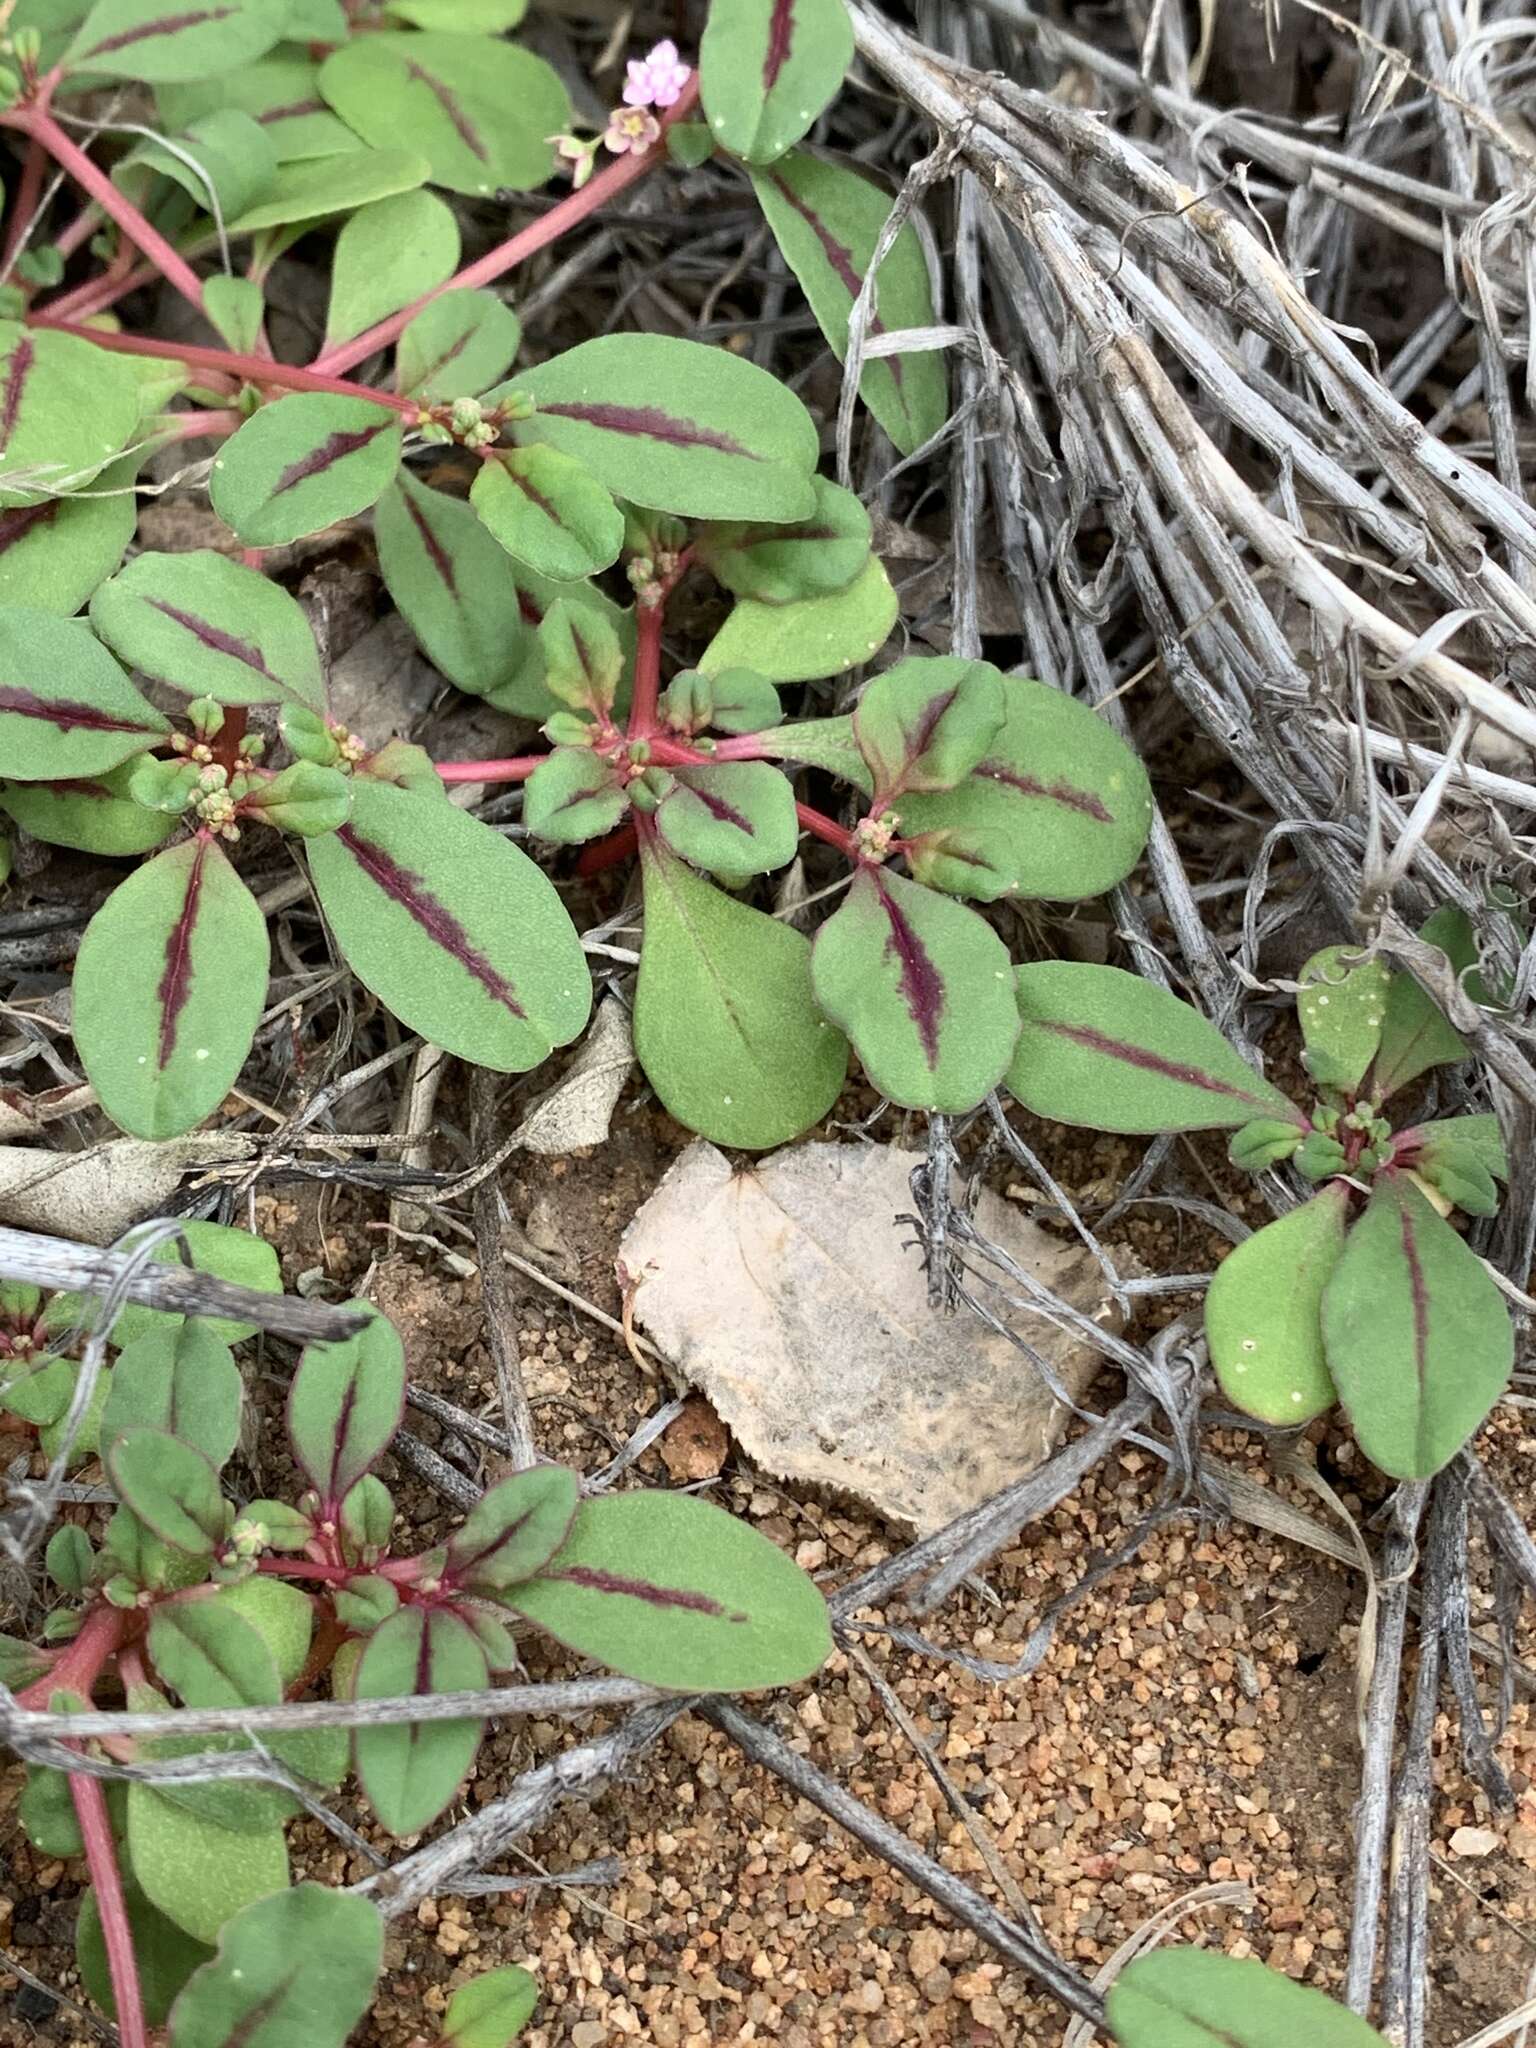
column 807, row 1324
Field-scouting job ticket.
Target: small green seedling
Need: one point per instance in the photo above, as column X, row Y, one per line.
column 186, row 1599
column 1366, row 1293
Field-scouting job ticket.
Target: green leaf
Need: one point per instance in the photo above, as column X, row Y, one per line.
column 810, row 557
column 1109, row 1051
column 670, row 1590
column 207, row 1651
column 310, row 191
column 827, row 219
column 93, row 813
column 1196, row 1998
column 69, row 1558
column 171, row 1487
column 1415, row 1034
column 548, row 511
column 1340, row 1004
column 345, row 1404
column 1462, row 1156
column 55, row 552
column 583, row 660
column 490, row 2010
column 46, row 1811
column 280, row 1613
column 297, row 1967
column 303, row 463
column 184, row 1382
column 821, row 743
column 66, row 408
column 66, row 708
column 514, row 1529
column 216, row 1249
column 146, row 40
column 676, row 426
column 811, row 638
column 461, row 17
column 169, row 984
column 734, row 819
column 166, row 1956
column 768, row 67
column 457, row 347
column 303, row 798
column 481, row 112
column 1263, row 1312
column 922, row 986
column 411, row 1770
column 236, row 308
column 210, row 627
column 1067, row 794
column 452, row 927
column 279, row 92
column 726, row 1027
column 737, row 700
column 1418, row 1337
column 387, row 256
column 223, row 156
column 133, row 1552
column 274, row 1525
column 925, row 723
column 458, row 592
column 573, row 797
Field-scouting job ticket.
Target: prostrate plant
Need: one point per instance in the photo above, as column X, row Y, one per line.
column 1365, row 1293
column 190, row 1599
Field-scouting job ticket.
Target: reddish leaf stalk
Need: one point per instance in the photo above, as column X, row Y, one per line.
column 107, row 1882
column 608, row 183
column 607, row 853
column 79, row 1664
column 24, row 205
column 39, row 124
column 642, row 709
column 823, row 827
column 512, row 768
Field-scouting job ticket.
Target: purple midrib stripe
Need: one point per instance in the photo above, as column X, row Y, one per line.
column 162, row 25
column 722, row 812
column 437, row 554
column 1149, row 1062
column 652, row 423
column 67, row 713
column 176, row 976
column 334, row 448
column 922, row 987
column 448, row 100
column 1418, row 1296
column 20, row 520
column 1082, row 801
column 217, row 641
column 22, row 358
column 841, row 260
column 439, row 924
column 781, row 29
column 641, row 1589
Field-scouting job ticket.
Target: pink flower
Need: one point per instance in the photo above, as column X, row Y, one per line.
column 656, row 80
column 630, row 128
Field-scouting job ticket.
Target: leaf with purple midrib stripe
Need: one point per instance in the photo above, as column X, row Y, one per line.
column 406, row 888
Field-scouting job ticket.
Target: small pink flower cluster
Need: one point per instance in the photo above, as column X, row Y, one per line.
column 658, row 79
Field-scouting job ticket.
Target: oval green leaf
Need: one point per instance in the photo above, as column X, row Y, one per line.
column 827, row 219
column 345, row 1404
column 331, row 185
column 388, row 255
column 1340, row 1005
column 922, row 986
column 166, row 1956
column 184, row 1382
column 54, row 553
column 411, row 1770
column 726, row 1026
column 66, row 408
column 1415, row 1033
column 1062, row 791
column 169, row 984
column 548, row 511
column 171, row 1487
column 211, row 1655
column 668, row 1589
column 768, row 67
column 151, row 42
column 924, row 723
column 734, row 819
column 210, row 627
column 93, row 813
column 1111, row 1052
column 515, row 1528
column 303, row 463
column 481, row 112
column 810, row 638
column 297, row 1967
column 572, row 797
column 456, row 347
column 490, row 2011
column 279, row 92
column 66, row 709
column 676, row 426
column 1263, row 1312
column 453, row 927
column 1418, row 1338
column 809, row 557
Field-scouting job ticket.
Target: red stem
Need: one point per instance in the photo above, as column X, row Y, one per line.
column 79, row 1664
column 608, row 183
column 642, row 708
column 827, row 828
column 513, row 768
column 107, row 1882
column 37, row 122
column 250, row 369
column 603, row 854
column 24, row 205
